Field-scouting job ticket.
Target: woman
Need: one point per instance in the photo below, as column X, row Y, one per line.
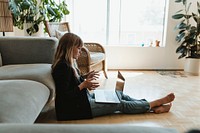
column 74, row 101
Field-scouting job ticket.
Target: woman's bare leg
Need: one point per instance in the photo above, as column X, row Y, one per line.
column 167, row 99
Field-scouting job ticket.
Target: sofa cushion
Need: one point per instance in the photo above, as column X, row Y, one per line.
column 82, row 128
column 21, row 101
column 59, row 34
column 27, row 49
column 36, row 72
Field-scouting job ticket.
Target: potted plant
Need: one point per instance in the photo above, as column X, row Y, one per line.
column 188, row 35
column 36, row 12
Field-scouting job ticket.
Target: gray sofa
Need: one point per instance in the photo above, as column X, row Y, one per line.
column 27, row 89
column 25, row 77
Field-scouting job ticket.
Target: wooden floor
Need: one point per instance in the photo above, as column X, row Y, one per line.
column 184, row 114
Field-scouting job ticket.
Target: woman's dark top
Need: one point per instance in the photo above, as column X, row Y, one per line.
column 71, row 103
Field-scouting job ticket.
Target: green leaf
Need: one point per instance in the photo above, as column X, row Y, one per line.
column 179, row 11
column 189, row 40
column 178, row 16
column 183, row 50
column 193, row 29
column 63, row 7
column 181, row 31
column 177, row 1
column 180, row 36
column 198, row 7
column 195, row 17
column 183, row 55
column 50, row 10
column 13, row 7
column 26, row 4
column 182, row 25
column 188, row 8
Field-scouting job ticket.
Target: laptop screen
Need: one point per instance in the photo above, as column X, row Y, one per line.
column 120, row 82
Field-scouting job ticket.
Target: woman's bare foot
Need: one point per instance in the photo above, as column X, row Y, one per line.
column 162, row 108
column 167, row 99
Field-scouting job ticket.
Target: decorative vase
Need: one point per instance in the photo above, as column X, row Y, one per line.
column 192, row 66
column 39, row 33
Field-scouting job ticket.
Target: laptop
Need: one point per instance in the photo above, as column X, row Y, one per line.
column 110, row 96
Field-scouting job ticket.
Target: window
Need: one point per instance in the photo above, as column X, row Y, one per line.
column 118, row 22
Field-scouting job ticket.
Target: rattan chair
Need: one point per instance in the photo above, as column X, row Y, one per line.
column 93, row 55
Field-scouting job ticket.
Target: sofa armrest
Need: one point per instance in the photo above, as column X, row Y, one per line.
column 21, row 101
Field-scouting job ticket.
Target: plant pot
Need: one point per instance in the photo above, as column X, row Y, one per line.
column 192, row 66
column 39, row 33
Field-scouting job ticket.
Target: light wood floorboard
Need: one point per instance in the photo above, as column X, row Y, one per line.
column 185, row 111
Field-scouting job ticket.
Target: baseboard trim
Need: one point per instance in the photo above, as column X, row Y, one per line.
column 145, row 69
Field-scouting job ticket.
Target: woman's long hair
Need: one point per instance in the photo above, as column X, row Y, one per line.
column 65, row 49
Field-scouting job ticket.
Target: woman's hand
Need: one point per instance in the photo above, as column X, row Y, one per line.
column 89, row 83
column 92, row 74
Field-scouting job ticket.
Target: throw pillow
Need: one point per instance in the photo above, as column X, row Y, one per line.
column 59, row 34
column 0, row 60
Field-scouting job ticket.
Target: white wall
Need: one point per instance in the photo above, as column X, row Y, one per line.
column 16, row 32
column 126, row 57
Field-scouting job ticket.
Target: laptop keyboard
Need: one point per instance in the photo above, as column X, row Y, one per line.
column 109, row 95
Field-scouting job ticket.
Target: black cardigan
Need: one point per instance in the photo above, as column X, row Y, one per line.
column 70, row 102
